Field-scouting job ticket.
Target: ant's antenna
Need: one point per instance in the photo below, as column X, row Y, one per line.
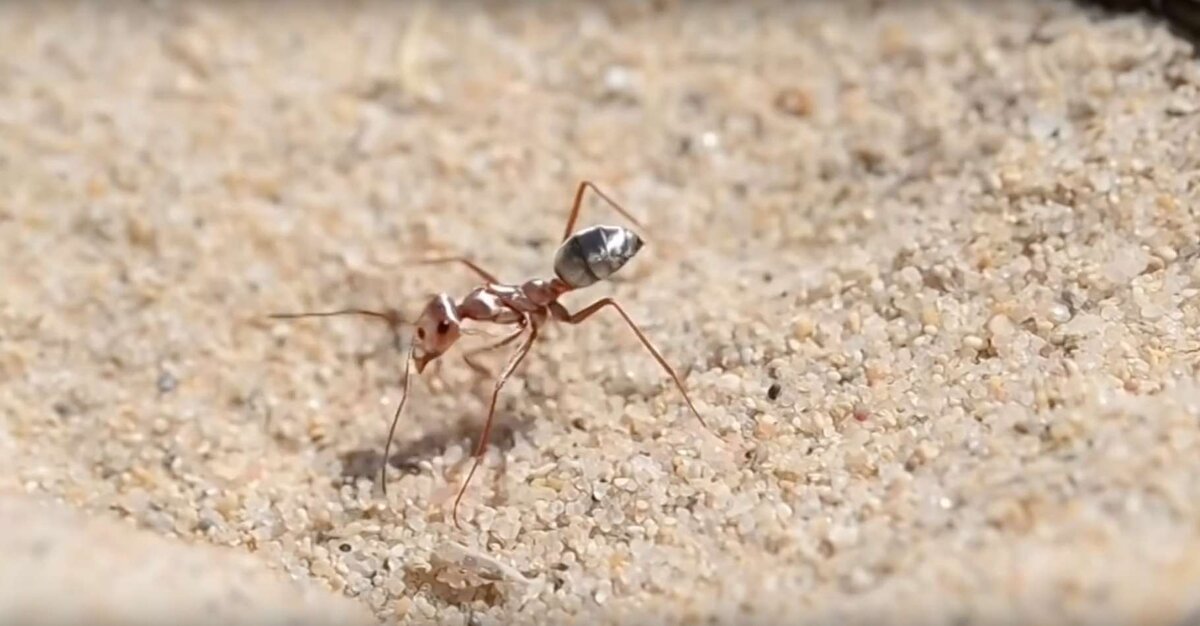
column 387, row 447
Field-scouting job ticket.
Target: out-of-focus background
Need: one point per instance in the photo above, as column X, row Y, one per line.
column 930, row 269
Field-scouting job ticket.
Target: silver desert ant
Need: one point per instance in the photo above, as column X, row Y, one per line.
column 583, row 258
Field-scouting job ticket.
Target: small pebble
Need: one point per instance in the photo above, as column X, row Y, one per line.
column 166, row 382
column 794, row 101
column 1059, row 314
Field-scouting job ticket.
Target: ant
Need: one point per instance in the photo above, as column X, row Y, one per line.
column 583, row 259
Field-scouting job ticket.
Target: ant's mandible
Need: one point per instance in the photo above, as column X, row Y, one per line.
column 584, row 258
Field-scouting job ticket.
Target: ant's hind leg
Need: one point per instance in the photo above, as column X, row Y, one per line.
column 574, row 216
column 562, row 314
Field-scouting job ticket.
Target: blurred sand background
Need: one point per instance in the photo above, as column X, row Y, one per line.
column 960, row 237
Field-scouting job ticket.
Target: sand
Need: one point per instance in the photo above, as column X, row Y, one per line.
column 929, row 270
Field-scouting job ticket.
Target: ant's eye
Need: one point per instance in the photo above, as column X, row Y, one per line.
column 443, row 327
column 420, row 333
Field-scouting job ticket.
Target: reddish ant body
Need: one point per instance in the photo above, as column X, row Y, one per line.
column 583, row 258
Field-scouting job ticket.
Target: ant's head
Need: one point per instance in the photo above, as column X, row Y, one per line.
column 437, row 329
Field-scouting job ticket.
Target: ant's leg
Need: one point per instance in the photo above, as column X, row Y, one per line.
column 479, row 271
column 475, row 365
column 562, row 314
column 481, row 447
column 579, row 203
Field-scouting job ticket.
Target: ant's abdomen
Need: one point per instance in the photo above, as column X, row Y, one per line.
column 593, row 254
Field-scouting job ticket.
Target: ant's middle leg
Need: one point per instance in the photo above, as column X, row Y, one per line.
column 468, row 263
column 482, row 445
column 481, row 369
column 560, row 312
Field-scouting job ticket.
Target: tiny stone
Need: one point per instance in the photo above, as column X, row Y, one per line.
column 1060, row 314
column 910, row 276
column 166, row 382
column 1043, row 127
column 1011, row 178
column 1000, row 326
column 930, row 316
column 794, row 101
column 860, row 579
column 1182, row 105
column 773, row 391
column 803, row 328
column 617, row 78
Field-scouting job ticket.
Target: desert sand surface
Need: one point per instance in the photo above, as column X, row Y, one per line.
column 929, row 270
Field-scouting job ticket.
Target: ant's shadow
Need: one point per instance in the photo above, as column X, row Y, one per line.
column 407, row 456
